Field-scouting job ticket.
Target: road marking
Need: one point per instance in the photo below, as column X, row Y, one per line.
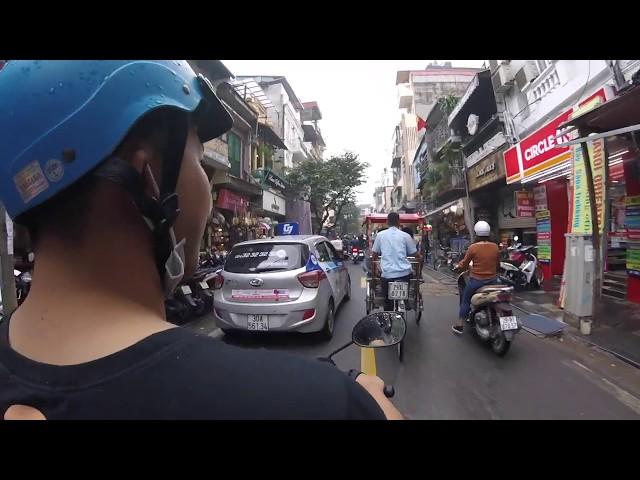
column 621, row 395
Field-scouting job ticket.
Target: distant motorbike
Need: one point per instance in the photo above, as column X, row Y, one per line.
column 357, row 254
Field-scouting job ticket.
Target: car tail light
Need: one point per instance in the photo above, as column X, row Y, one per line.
column 309, row 313
column 218, row 282
column 311, row 279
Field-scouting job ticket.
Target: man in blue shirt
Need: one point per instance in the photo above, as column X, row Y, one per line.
column 394, row 246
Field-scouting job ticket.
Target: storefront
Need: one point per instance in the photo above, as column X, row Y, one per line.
column 240, row 222
column 557, row 190
column 274, row 206
column 485, row 178
column 449, row 228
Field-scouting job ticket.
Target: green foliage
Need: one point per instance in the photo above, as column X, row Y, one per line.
column 327, row 184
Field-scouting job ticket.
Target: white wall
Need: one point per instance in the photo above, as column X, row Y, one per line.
column 572, row 76
column 292, row 134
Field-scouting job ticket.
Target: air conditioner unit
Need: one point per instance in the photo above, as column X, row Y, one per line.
column 502, row 79
column 527, row 74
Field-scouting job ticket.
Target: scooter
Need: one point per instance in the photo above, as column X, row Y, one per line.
column 523, row 268
column 23, row 284
column 379, row 329
column 357, row 254
column 182, row 305
column 491, row 315
column 202, row 286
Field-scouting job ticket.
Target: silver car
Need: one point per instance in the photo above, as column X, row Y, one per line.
column 287, row 283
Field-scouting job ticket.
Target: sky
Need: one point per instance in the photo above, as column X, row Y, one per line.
column 358, row 100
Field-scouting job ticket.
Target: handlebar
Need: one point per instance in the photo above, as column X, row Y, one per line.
column 388, row 390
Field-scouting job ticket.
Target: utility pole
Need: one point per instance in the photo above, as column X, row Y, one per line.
column 9, row 301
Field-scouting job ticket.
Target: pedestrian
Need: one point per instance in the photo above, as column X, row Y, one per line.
column 106, row 175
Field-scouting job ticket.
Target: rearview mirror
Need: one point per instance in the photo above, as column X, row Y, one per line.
column 380, row 329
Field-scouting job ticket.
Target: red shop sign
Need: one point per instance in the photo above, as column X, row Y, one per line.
column 539, row 147
column 525, row 204
column 232, row 201
column 511, row 164
column 538, row 151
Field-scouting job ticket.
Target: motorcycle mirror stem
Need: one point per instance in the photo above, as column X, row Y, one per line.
column 339, row 349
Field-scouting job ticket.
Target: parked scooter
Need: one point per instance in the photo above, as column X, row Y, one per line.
column 523, row 268
column 23, row 284
column 380, row 329
column 491, row 315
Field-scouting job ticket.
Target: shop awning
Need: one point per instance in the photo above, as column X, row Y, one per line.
column 442, row 207
column 270, row 136
column 617, row 116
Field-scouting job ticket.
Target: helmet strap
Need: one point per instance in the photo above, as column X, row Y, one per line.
column 160, row 210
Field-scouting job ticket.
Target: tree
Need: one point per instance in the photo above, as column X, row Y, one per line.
column 350, row 221
column 327, row 185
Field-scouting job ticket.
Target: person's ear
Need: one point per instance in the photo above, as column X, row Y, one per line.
column 142, row 161
column 140, row 158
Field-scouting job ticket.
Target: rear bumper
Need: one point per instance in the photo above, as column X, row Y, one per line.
column 283, row 317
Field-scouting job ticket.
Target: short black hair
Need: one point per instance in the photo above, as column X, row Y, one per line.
column 409, row 231
column 393, row 219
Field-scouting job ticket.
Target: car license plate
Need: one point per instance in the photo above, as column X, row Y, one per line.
column 508, row 323
column 204, row 285
column 186, row 289
column 258, row 322
column 398, row 290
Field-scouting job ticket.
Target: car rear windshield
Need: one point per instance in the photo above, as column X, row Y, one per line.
column 266, row 257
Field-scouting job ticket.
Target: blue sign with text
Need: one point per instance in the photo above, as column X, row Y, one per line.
column 290, row 228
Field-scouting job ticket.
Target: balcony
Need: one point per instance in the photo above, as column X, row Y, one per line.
column 546, row 82
column 405, row 96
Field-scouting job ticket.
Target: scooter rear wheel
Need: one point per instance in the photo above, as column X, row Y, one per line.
column 500, row 345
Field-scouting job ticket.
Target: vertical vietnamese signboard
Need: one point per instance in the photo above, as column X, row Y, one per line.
column 581, row 221
column 632, row 217
column 543, row 227
column 543, row 224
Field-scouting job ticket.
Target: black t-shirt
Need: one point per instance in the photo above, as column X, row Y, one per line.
column 178, row 374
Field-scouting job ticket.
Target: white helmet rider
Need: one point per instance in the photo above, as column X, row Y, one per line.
column 482, row 229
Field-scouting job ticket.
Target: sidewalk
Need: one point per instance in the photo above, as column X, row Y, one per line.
column 618, row 331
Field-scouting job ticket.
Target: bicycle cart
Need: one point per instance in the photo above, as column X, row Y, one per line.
column 405, row 295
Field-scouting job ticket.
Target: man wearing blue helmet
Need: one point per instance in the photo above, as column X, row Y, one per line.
column 100, row 160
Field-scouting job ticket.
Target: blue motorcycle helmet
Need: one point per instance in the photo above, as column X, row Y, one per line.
column 62, row 120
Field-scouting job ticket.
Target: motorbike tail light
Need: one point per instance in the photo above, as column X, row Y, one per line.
column 354, row 250
column 309, row 313
column 504, row 297
column 311, row 279
column 218, row 282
